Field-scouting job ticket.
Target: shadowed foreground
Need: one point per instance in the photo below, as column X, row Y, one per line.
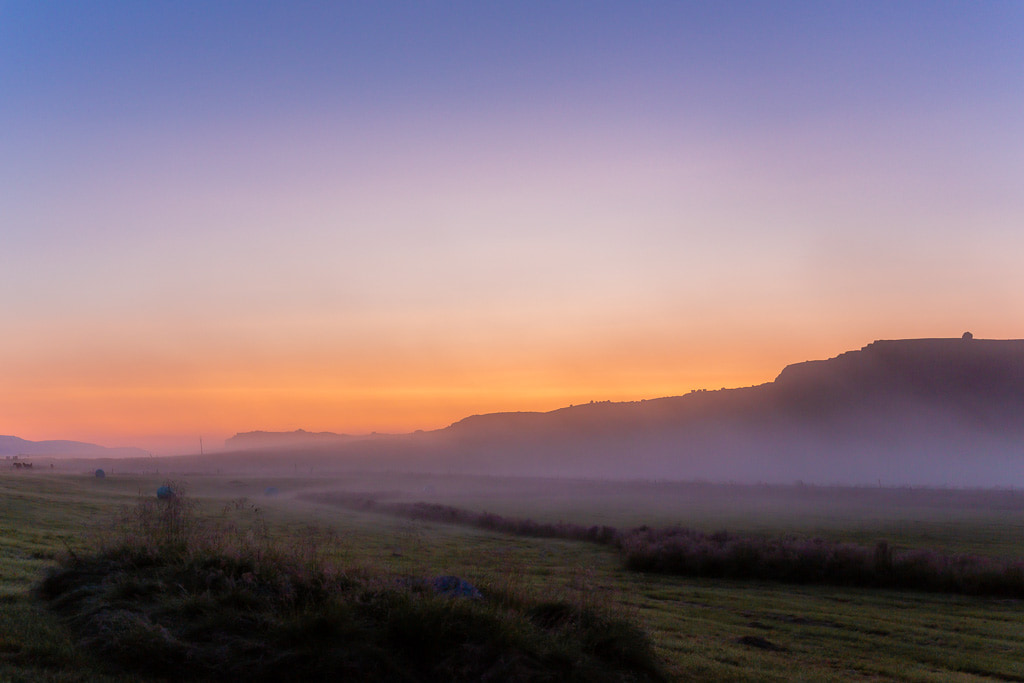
column 173, row 595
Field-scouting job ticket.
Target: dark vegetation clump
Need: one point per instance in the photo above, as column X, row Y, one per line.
column 175, row 595
column 677, row 550
column 446, row 514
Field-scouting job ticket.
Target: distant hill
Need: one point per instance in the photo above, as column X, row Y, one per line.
column 261, row 440
column 921, row 411
column 979, row 382
column 13, row 445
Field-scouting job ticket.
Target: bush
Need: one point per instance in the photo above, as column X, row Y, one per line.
column 677, row 550
column 171, row 594
column 432, row 512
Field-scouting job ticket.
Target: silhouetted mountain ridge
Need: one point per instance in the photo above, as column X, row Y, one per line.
column 969, row 378
column 941, row 371
column 261, row 439
column 927, row 411
column 13, row 445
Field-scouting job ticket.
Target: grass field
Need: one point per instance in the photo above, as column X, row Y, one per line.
column 702, row 629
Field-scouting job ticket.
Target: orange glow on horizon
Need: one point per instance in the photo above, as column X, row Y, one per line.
column 118, row 407
column 164, row 397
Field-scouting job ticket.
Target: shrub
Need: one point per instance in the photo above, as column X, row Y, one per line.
column 676, row 550
column 172, row 594
column 432, row 512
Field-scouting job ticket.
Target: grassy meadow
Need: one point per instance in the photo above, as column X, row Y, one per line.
column 701, row 629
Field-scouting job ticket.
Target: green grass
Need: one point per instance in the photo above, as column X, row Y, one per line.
column 171, row 590
column 695, row 624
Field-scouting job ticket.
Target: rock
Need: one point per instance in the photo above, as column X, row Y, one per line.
column 455, row 587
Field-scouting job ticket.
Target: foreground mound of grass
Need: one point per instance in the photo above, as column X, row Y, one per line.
column 175, row 596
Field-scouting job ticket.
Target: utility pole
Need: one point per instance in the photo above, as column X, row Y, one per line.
column 201, row 446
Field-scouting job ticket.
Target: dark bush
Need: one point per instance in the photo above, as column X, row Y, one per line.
column 174, row 596
column 677, row 550
column 432, row 512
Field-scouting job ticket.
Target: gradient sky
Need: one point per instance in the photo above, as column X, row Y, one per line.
column 226, row 216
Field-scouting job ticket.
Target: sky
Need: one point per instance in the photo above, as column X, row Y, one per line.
column 218, row 217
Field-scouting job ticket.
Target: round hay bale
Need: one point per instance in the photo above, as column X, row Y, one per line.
column 100, row 474
column 165, row 492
